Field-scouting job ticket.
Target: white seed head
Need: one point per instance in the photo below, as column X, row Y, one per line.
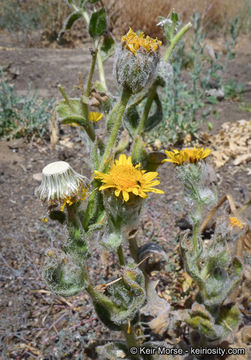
column 59, row 181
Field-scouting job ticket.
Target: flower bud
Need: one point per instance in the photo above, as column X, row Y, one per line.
column 136, row 61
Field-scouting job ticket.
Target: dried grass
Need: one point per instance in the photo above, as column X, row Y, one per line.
column 143, row 15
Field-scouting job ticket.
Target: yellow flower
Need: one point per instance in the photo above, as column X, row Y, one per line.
column 126, row 178
column 188, row 155
column 44, row 220
column 235, row 222
column 95, row 116
column 133, row 42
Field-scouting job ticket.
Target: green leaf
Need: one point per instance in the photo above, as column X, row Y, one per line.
column 93, row 1
column 66, row 278
column 131, row 119
column 212, row 100
column 139, row 154
column 157, row 117
column 229, row 318
column 57, row 215
column 209, row 125
column 70, row 20
column 201, row 320
column 67, row 109
column 174, row 17
column 94, row 209
column 74, row 119
column 71, row 112
column 112, row 241
column 98, row 23
column 128, row 296
column 107, row 48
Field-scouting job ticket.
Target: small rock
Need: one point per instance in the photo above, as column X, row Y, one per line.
column 217, row 93
column 37, row 177
column 157, row 144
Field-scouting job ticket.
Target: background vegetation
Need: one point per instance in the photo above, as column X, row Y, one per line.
column 22, row 17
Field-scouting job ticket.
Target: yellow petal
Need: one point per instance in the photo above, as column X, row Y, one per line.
column 95, row 116
column 125, row 195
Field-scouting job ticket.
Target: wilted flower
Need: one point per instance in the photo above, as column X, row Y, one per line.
column 191, row 156
column 136, row 61
column 235, row 222
column 61, row 183
column 126, row 178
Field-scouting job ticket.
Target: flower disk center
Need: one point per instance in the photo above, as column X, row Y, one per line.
column 125, row 176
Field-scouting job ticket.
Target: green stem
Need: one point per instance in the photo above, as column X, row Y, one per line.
column 130, row 339
column 101, row 298
column 196, row 228
column 149, row 101
column 89, row 84
column 62, row 90
column 101, row 71
column 121, row 256
column 195, row 237
column 120, row 111
column 175, row 40
column 133, row 247
column 72, row 216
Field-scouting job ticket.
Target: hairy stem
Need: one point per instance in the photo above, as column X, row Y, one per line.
column 175, row 41
column 101, row 71
column 89, row 83
column 130, row 340
column 120, row 109
column 121, row 255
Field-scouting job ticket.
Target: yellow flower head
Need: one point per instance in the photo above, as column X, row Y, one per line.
column 126, row 178
column 133, row 42
column 235, row 222
column 95, row 116
column 188, row 155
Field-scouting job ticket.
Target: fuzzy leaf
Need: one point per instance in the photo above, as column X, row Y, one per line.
column 94, row 209
column 112, row 241
column 157, row 117
column 98, row 23
column 229, row 318
column 67, row 110
column 74, row 120
column 112, row 351
column 107, row 48
column 57, row 215
column 66, row 278
column 201, row 320
column 70, row 20
column 131, row 120
column 74, row 16
column 127, row 295
column 139, row 154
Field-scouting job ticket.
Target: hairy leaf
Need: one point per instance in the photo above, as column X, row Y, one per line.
column 98, row 23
